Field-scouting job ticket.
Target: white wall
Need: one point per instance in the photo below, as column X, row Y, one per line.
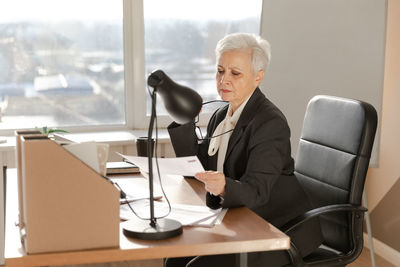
column 2, row 213
column 332, row 47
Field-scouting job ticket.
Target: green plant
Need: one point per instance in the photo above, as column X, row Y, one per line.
column 49, row 131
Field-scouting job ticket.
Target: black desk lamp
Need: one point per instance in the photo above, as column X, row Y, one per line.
column 183, row 105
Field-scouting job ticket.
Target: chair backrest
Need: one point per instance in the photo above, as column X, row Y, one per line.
column 333, row 158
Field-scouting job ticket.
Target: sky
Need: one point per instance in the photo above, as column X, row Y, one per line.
column 202, row 9
column 59, row 10
column 95, row 10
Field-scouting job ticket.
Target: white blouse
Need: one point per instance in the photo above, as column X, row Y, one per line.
column 224, row 130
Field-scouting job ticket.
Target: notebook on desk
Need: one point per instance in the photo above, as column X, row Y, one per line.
column 121, row 167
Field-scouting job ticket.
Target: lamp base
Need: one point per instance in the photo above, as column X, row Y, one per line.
column 164, row 228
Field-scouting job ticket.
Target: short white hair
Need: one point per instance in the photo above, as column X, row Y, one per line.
column 259, row 47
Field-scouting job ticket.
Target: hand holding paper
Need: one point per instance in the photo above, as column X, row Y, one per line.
column 214, row 181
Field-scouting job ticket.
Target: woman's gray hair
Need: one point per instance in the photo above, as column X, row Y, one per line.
column 260, row 48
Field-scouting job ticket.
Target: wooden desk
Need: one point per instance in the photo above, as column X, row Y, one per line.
column 241, row 231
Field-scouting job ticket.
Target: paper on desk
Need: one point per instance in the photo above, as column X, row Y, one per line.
column 187, row 215
column 185, row 166
column 137, row 189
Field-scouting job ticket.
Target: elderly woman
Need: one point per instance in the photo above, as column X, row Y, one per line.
column 247, row 152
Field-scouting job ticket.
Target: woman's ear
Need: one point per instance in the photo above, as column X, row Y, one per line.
column 259, row 77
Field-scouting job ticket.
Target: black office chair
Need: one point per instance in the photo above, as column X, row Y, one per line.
column 331, row 164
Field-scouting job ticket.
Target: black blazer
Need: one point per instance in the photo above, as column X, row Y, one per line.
column 258, row 165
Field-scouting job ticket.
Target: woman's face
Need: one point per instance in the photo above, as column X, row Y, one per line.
column 235, row 77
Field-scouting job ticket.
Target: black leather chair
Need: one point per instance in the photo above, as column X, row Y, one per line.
column 331, row 164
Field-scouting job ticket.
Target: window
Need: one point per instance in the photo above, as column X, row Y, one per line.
column 84, row 63
column 61, row 63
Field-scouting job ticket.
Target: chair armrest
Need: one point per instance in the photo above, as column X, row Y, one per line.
column 319, row 211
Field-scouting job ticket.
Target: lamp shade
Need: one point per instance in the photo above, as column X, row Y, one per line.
column 182, row 103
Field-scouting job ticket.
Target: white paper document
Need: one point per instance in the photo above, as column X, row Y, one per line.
column 185, row 166
column 136, row 189
column 93, row 154
column 187, row 215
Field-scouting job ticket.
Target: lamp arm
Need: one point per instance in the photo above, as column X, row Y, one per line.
column 164, row 227
column 153, row 220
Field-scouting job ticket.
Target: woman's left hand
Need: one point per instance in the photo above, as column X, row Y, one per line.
column 214, row 181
